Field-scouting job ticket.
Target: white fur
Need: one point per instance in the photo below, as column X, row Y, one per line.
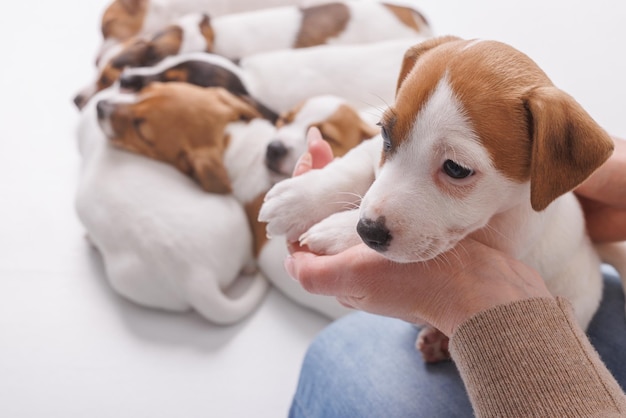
column 165, row 243
column 424, row 220
column 364, row 75
column 242, row 34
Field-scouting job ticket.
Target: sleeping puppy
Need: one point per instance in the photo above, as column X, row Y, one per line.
column 480, row 144
column 338, row 122
column 242, row 34
column 164, row 242
column 281, row 80
column 123, row 19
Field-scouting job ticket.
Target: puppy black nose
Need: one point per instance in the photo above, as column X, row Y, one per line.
column 79, row 101
column 274, row 153
column 103, row 109
column 132, row 82
column 374, row 233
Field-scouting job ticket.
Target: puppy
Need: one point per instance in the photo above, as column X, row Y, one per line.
column 281, row 80
column 339, row 123
column 147, row 118
column 164, row 242
column 479, row 143
column 123, row 19
column 242, row 34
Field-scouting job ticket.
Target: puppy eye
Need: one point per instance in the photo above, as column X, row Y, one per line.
column 456, row 171
column 385, row 135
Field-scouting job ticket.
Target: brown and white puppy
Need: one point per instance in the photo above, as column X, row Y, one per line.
column 479, row 143
column 164, row 242
column 123, row 19
column 242, row 34
column 339, row 123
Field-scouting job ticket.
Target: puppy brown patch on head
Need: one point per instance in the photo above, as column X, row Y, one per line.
column 132, row 55
column 163, row 44
column 182, row 125
column 532, row 130
column 123, row 19
column 344, row 130
column 320, row 23
column 409, row 17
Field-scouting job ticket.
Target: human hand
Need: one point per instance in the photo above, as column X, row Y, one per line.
column 603, row 198
column 444, row 291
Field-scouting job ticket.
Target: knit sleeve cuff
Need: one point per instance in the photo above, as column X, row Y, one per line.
column 530, row 358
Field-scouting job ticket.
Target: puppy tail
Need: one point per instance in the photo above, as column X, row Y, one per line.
column 226, row 306
column 614, row 254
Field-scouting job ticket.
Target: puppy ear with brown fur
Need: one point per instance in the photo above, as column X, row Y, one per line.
column 133, row 56
column 414, row 53
column 567, row 144
column 205, row 165
column 163, row 44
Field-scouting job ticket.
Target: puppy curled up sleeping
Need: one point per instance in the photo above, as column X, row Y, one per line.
column 164, row 242
column 480, row 144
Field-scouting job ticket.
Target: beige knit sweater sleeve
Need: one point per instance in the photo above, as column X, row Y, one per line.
column 531, row 359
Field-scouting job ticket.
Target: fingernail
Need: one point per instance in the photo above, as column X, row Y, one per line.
column 289, row 267
column 305, row 162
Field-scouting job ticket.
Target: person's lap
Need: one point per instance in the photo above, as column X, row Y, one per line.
column 365, row 365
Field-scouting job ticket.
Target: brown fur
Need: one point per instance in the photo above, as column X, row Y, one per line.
column 344, row 130
column 123, row 19
column 409, row 17
column 164, row 43
column 532, row 130
column 258, row 228
column 133, row 54
column 320, row 23
column 182, row 125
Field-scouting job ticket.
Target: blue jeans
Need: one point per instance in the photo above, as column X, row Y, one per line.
column 364, row 365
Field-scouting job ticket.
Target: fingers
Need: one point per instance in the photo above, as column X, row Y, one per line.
column 319, row 153
column 304, row 164
column 319, row 149
column 604, row 223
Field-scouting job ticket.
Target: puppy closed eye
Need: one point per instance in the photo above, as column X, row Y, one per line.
column 456, row 171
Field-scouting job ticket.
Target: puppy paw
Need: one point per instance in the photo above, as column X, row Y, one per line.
column 293, row 205
column 334, row 234
column 433, row 344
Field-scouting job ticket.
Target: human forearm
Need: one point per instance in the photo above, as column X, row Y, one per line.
column 530, row 358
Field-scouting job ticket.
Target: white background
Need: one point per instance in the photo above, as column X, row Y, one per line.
column 69, row 346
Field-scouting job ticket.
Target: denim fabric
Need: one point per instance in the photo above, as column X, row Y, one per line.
column 364, row 365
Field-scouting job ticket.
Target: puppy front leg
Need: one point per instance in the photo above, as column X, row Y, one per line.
column 293, row 205
column 333, row 234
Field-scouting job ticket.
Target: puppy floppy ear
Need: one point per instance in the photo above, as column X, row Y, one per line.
column 205, row 165
column 567, row 144
column 133, row 56
column 415, row 52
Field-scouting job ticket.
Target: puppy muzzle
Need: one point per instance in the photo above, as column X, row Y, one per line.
column 374, row 233
column 274, row 155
